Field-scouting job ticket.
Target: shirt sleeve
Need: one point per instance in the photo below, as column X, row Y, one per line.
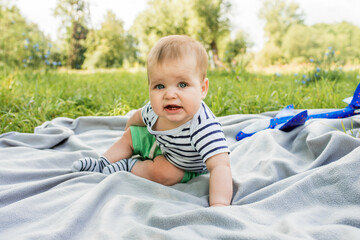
column 148, row 115
column 208, row 139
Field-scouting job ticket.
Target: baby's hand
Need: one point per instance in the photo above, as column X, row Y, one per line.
column 219, row 205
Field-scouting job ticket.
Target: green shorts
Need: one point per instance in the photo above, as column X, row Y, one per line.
column 144, row 144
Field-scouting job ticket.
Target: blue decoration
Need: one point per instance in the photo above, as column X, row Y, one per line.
column 286, row 120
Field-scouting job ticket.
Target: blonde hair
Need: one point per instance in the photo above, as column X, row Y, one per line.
column 175, row 47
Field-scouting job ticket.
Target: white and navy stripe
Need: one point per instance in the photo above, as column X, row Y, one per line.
column 190, row 145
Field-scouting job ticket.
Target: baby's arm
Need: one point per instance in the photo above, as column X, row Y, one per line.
column 220, row 185
column 135, row 120
column 123, row 147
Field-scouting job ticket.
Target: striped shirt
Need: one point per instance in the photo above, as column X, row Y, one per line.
column 190, row 145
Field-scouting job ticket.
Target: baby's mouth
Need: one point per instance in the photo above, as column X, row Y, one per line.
column 172, row 107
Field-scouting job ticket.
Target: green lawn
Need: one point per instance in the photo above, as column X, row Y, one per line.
column 27, row 99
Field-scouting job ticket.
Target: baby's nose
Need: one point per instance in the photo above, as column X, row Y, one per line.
column 170, row 93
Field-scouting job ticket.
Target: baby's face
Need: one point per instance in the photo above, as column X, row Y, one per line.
column 176, row 90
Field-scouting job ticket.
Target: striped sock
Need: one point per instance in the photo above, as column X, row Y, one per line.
column 90, row 164
column 122, row 165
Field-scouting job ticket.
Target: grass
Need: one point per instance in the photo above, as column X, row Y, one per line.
column 29, row 98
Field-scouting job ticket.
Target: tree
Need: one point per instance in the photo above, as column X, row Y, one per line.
column 204, row 20
column 22, row 44
column 341, row 40
column 74, row 15
column 111, row 45
column 162, row 18
column 301, row 43
column 213, row 23
column 279, row 16
column 236, row 47
column 12, row 42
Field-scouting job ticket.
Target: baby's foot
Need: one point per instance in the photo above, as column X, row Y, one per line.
column 122, row 165
column 90, row 164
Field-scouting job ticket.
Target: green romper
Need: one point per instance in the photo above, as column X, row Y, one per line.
column 144, row 144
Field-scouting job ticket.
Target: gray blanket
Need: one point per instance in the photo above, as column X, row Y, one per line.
column 303, row 184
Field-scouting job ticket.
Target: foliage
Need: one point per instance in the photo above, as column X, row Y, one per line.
column 344, row 37
column 22, row 44
column 110, row 46
column 29, row 98
column 74, row 14
column 303, row 42
column 236, row 49
column 204, row 20
column 213, row 23
column 289, row 40
column 159, row 19
column 279, row 16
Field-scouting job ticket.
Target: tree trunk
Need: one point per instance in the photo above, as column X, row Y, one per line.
column 216, row 58
column 76, row 49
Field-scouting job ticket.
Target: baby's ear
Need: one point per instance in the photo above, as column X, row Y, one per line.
column 204, row 88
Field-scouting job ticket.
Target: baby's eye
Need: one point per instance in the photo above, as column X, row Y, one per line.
column 159, row 86
column 183, row 85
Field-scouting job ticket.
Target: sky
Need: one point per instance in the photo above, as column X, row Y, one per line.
column 244, row 14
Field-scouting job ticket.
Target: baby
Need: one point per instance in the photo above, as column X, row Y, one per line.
column 175, row 129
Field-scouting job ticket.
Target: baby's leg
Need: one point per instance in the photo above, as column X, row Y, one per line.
column 121, row 149
column 89, row 164
column 122, row 165
column 158, row 170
